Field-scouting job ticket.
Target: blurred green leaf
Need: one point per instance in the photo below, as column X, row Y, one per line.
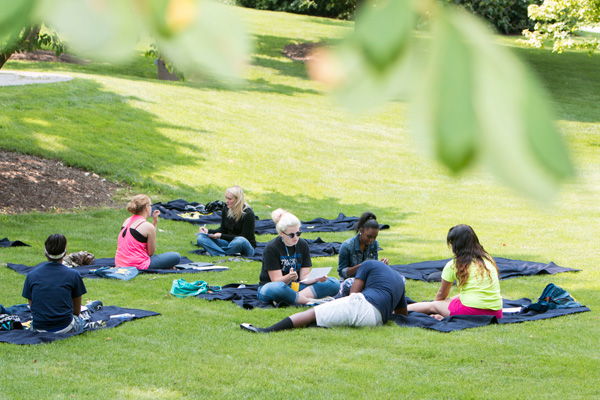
column 101, row 29
column 444, row 117
column 216, row 41
column 14, row 15
column 384, row 30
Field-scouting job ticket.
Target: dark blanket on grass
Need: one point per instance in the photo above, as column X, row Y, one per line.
column 7, row 243
column 245, row 297
column 195, row 213
column 317, row 247
column 339, row 224
column 459, row 322
column 86, row 271
column 20, row 336
column 431, row 271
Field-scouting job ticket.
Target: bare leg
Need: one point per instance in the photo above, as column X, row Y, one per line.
column 304, row 318
column 307, row 293
column 431, row 307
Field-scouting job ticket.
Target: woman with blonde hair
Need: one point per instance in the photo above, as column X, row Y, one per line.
column 286, row 260
column 236, row 233
column 476, row 274
column 137, row 239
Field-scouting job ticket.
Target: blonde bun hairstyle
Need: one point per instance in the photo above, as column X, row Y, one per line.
column 284, row 219
column 138, row 203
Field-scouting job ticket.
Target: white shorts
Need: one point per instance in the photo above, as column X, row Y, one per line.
column 353, row 310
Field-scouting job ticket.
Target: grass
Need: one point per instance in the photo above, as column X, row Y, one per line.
column 288, row 146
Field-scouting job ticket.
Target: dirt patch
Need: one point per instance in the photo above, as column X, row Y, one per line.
column 47, row 56
column 31, row 183
column 302, row 51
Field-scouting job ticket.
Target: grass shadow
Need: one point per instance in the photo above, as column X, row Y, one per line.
column 84, row 125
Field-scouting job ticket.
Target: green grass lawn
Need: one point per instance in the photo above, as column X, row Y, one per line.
column 287, row 145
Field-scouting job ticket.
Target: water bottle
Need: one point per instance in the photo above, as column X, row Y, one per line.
column 122, row 316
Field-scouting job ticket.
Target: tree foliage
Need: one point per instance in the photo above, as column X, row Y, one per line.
column 29, row 38
column 473, row 101
column 560, row 21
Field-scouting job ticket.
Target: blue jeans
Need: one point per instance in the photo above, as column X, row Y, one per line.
column 220, row 247
column 164, row 260
column 280, row 292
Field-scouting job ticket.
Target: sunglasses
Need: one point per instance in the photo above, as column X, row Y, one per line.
column 291, row 235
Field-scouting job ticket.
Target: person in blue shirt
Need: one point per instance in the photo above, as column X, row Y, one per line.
column 362, row 247
column 54, row 292
column 377, row 293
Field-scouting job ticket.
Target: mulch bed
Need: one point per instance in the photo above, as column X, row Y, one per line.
column 302, row 51
column 31, row 183
column 47, row 56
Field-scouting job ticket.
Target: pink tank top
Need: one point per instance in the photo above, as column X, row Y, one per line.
column 131, row 252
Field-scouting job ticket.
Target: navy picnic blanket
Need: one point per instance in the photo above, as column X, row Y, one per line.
column 195, row 213
column 339, row 224
column 460, row 322
column 87, row 271
column 431, row 271
column 7, row 243
column 245, row 296
column 317, row 248
column 21, row 336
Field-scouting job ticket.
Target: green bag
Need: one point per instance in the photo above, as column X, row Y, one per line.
column 181, row 288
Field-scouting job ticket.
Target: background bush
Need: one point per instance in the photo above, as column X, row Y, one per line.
column 507, row 16
column 341, row 9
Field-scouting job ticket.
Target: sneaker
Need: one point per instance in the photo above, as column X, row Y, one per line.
column 315, row 302
column 92, row 325
column 94, row 306
column 249, row 327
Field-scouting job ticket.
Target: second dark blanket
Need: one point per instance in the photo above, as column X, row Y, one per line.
column 431, row 271
column 29, row 337
column 86, row 271
column 317, row 247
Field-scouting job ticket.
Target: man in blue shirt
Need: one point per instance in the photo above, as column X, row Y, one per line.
column 377, row 292
column 54, row 292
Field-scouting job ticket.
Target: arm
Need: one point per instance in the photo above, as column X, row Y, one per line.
column 444, row 291
column 216, row 233
column 401, row 311
column 276, row 276
column 151, row 235
column 358, row 286
column 77, row 305
column 344, row 261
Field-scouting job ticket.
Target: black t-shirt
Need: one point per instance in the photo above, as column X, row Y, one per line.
column 229, row 229
column 277, row 256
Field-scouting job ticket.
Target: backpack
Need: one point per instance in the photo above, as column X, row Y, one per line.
column 10, row 322
column 122, row 273
column 553, row 297
column 181, row 288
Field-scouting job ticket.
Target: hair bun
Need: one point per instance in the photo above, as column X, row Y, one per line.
column 277, row 214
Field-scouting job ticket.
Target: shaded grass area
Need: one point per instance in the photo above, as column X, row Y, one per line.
column 288, row 146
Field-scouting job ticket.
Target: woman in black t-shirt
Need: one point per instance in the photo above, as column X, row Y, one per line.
column 286, row 265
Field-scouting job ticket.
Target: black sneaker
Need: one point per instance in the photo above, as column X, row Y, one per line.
column 94, row 306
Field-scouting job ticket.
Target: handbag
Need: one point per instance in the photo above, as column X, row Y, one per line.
column 181, row 288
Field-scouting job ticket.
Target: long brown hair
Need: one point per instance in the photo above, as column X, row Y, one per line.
column 466, row 248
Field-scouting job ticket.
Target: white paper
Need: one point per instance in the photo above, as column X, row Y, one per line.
column 316, row 273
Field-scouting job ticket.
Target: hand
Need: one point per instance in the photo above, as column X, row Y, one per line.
column 215, row 235
column 155, row 214
column 385, row 261
column 321, row 279
column 293, row 275
column 202, row 229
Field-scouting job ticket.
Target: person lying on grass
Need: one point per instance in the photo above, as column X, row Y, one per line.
column 286, row 260
column 377, row 292
column 136, row 243
column 236, row 233
column 477, row 276
column 54, row 292
column 360, row 248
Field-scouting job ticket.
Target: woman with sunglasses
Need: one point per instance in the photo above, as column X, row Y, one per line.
column 286, row 263
column 236, row 233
